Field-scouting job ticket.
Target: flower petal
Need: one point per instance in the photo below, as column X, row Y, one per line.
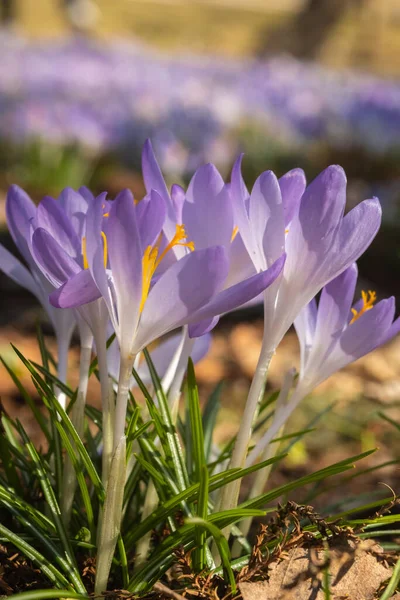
column 292, row 185
column 237, row 295
column 78, row 290
column 178, row 197
column 14, row 269
column 356, row 232
column 266, row 217
column 240, row 197
column 150, row 215
column 20, row 211
column 154, row 180
column 51, row 216
column 125, row 255
column 198, row 330
column 207, row 213
column 54, row 261
column 184, row 288
column 305, row 324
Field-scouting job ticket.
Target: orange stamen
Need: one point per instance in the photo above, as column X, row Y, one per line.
column 368, row 299
column 105, row 251
column 234, row 233
column 151, row 260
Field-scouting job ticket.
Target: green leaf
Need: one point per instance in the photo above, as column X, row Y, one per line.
column 27, row 398
column 30, row 552
column 44, row 594
column 222, row 545
column 210, row 417
column 54, row 509
column 169, row 430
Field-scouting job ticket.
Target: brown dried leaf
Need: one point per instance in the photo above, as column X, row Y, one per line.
column 354, row 572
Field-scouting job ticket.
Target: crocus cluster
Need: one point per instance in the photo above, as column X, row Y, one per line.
column 179, row 259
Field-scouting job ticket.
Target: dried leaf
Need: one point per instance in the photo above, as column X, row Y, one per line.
column 355, row 572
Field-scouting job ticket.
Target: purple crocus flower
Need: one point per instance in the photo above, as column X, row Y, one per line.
column 310, row 226
column 142, row 304
column 21, row 212
column 333, row 334
column 207, row 212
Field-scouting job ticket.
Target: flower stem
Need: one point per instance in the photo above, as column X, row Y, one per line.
column 230, row 493
column 262, row 476
column 62, row 366
column 125, row 373
column 111, row 521
column 175, row 390
column 279, row 421
column 77, row 417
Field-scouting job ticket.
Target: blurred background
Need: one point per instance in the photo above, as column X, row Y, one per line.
column 292, row 83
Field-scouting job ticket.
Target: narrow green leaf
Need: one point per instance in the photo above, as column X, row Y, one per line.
column 210, row 414
column 44, row 594
column 222, row 545
column 169, row 427
column 29, row 401
column 54, row 509
column 30, row 552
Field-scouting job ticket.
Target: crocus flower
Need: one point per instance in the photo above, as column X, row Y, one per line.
column 207, row 212
column 333, row 334
column 320, row 243
column 310, row 226
column 21, row 211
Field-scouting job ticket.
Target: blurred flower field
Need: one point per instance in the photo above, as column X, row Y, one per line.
column 107, row 99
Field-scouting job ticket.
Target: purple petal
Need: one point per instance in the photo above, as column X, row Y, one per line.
column 198, row 330
column 125, row 254
column 20, row 211
column 150, row 215
column 240, row 197
column 335, row 305
column 292, row 185
column 75, row 206
column 367, row 332
column 322, row 206
column 207, row 212
column 357, row 230
column 305, row 324
column 14, row 269
column 178, row 197
column 266, row 217
column 78, row 290
column 95, row 247
column 51, row 216
column 154, row 180
column 87, row 194
column 237, row 295
column 183, row 289
column 56, row 264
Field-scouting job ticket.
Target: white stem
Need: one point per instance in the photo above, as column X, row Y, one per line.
column 230, row 493
column 77, row 418
column 63, row 343
column 175, row 390
column 279, row 421
column 100, row 338
column 261, row 477
column 111, row 520
column 124, row 381
column 170, row 373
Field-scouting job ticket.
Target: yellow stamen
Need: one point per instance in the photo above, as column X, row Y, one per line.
column 105, row 251
column 286, row 230
column 368, row 299
column 234, row 233
column 151, row 260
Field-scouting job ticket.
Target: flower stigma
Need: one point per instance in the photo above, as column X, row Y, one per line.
column 368, row 299
column 151, row 260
